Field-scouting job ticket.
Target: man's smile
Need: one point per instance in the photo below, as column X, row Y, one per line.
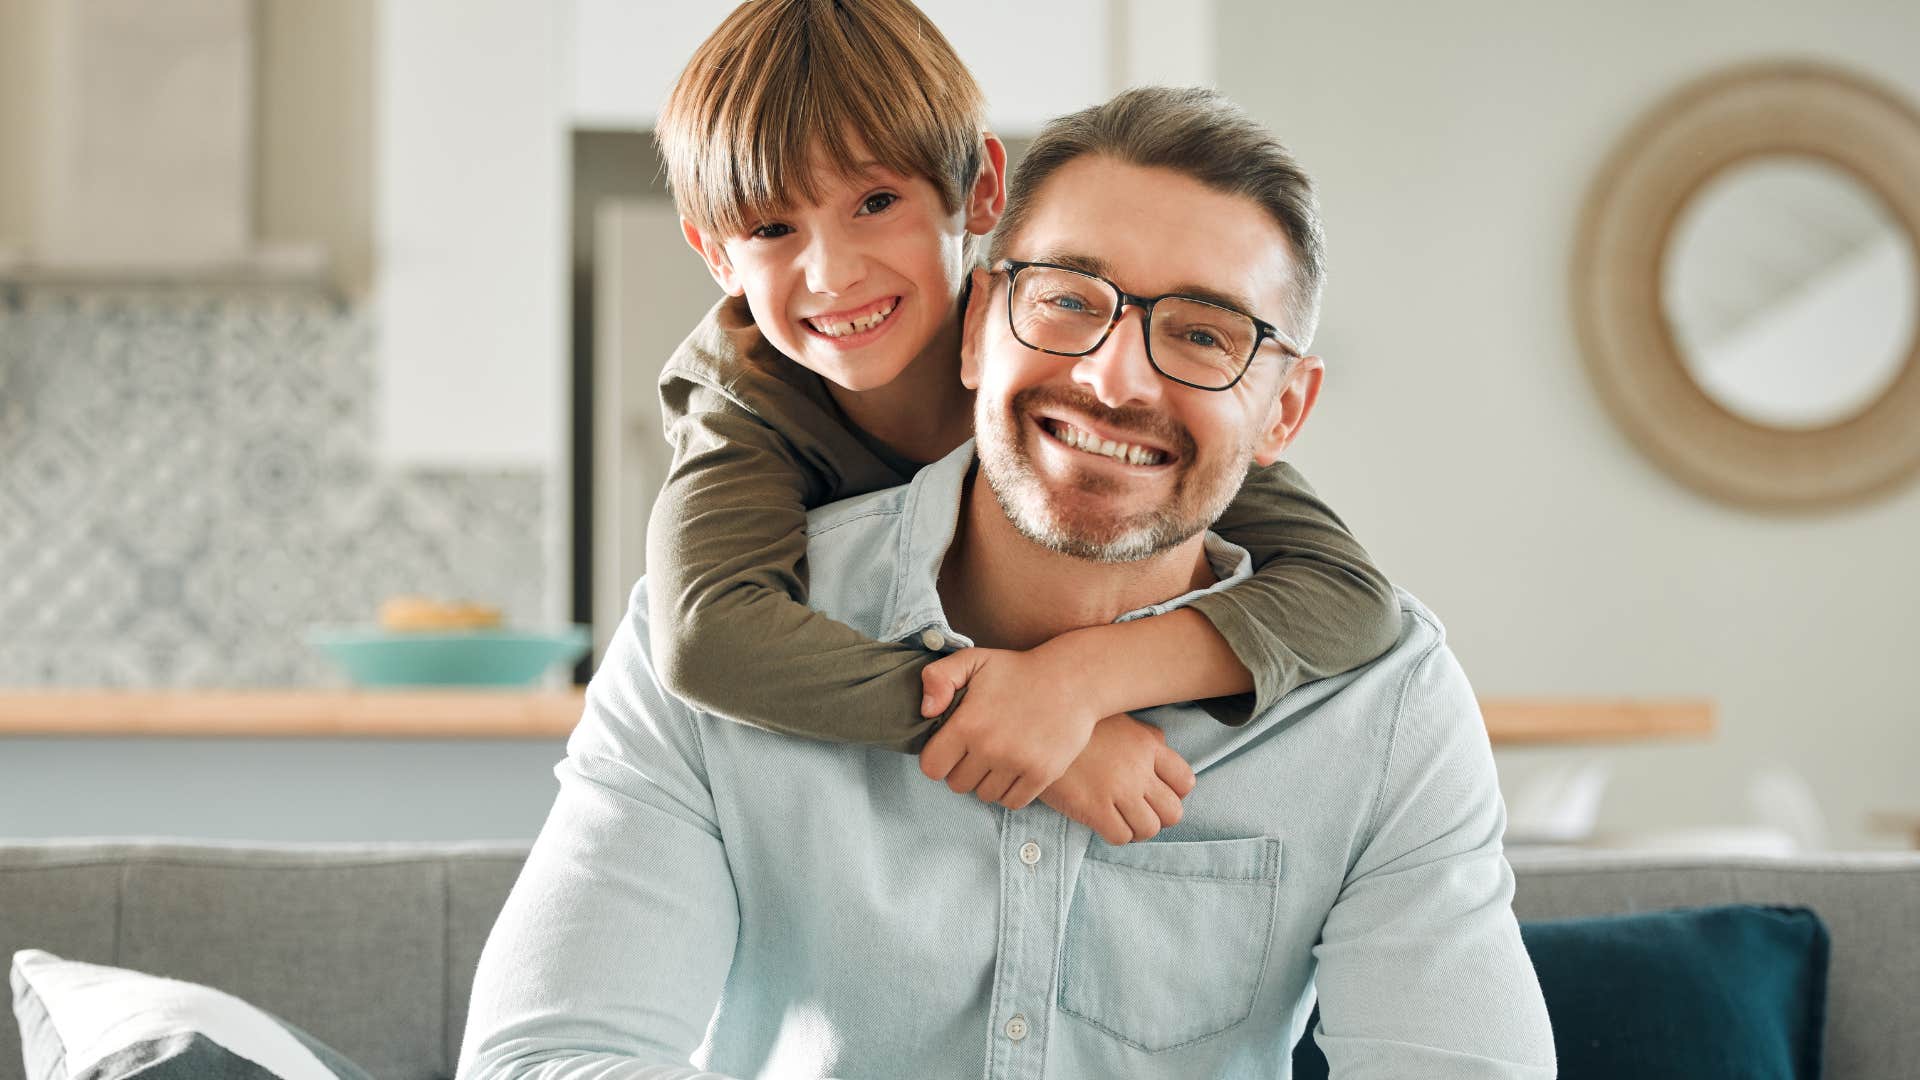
column 1088, row 442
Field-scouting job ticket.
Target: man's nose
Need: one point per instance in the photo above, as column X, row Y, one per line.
column 1118, row 372
column 834, row 264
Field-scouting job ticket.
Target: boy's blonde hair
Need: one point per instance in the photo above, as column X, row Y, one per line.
column 785, row 89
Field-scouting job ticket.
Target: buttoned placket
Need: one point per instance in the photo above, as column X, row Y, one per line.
column 1032, row 889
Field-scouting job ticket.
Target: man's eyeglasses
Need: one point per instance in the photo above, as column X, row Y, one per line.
column 1194, row 342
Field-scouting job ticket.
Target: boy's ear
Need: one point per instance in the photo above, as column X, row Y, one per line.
column 1298, row 393
column 988, row 198
column 973, row 324
column 715, row 256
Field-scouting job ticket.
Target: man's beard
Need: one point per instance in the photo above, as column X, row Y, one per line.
column 1200, row 494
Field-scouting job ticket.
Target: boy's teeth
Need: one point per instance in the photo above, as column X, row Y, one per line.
column 853, row 326
column 1083, row 440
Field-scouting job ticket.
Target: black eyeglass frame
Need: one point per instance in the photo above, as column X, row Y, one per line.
column 1262, row 328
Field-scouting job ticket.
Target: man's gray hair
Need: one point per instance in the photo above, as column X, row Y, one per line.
column 1202, row 135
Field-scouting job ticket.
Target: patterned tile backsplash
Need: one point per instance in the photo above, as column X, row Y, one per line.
column 188, row 482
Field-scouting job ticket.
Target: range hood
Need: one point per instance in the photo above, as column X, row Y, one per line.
column 139, row 140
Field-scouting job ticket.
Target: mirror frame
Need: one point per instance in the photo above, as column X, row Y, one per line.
column 1755, row 111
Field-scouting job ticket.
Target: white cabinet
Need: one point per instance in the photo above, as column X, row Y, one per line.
column 1035, row 60
column 470, row 188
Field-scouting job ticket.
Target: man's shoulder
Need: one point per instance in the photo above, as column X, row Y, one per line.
column 1421, row 631
column 1417, row 680
column 1422, row 693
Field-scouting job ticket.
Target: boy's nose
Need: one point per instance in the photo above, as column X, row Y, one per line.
column 1118, row 372
column 834, row 266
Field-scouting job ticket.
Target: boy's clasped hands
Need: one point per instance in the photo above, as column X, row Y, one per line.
column 1027, row 727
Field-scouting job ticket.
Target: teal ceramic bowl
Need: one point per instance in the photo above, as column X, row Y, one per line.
column 376, row 657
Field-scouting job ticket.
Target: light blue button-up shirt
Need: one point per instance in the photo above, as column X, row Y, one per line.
column 708, row 896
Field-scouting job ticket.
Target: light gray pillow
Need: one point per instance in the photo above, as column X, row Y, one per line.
column 90, row 1022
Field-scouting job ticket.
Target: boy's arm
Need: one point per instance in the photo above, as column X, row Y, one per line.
column 732, row 633
column 1315, row 606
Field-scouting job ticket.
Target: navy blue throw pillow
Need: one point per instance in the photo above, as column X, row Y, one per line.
column 1738, row 991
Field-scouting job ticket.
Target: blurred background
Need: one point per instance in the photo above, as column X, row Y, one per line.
column 305, row 306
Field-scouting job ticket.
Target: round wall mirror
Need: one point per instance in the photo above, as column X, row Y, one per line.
column 1747, row 285
column 1791, row 291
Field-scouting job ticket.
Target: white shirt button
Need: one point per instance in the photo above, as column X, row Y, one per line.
column 1017, row 1027
column 933, row 639
column 1029, row 853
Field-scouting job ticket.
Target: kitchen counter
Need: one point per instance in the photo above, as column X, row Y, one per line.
column 551, row 714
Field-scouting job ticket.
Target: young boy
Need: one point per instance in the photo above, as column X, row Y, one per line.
column 831, row 165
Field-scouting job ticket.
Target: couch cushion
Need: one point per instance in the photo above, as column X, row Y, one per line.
column 1866, row 900
column 105, row 1023
column 1736, row 992
column 316, row 942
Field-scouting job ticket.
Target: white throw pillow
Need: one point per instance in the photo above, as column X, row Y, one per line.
column 107, row 1022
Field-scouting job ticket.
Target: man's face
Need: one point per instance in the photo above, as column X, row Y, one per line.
column 1150, row 231
column 855, row 286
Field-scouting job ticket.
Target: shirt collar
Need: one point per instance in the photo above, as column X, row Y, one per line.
column 929, row 519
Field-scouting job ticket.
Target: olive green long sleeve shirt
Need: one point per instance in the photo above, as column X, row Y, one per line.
column 758, row 441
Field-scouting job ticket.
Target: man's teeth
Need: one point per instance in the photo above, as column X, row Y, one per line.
column 853, row 326
column 1086, row 440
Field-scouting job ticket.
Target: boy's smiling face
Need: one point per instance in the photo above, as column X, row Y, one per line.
column 855, row 286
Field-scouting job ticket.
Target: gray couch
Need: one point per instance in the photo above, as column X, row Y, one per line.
column 372, row 947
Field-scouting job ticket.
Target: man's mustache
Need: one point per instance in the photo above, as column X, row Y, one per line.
column 1150, row 424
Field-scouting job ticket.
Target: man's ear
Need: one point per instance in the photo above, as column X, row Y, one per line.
column 1298, row 392
column 973, row 325
column 715, row 256
column 988, row 197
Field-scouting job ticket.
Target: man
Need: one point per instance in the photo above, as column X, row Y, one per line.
column 768, row 906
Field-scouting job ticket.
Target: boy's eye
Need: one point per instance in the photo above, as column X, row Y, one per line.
column 770, row 231
column 874, row 204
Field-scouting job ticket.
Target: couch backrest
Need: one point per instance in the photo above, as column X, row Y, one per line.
column 372, row 947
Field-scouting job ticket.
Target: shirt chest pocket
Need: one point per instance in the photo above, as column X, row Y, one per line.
column 1166, row 943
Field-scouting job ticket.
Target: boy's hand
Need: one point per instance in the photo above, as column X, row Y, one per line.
column 1017, row 729
column 1127, row 784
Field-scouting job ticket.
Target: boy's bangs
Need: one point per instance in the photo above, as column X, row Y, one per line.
column 799, row 142
column 804, row 92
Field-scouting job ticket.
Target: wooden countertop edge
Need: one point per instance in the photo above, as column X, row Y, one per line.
column 512, row 714
column 1548, row 720
column 429, row 713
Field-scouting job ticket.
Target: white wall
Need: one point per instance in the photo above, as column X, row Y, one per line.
column 1459, row 435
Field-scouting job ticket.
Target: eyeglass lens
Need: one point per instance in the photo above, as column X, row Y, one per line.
column 1064, row 311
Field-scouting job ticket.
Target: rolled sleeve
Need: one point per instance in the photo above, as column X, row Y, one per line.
column 610, row 954
column 1421, row 969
